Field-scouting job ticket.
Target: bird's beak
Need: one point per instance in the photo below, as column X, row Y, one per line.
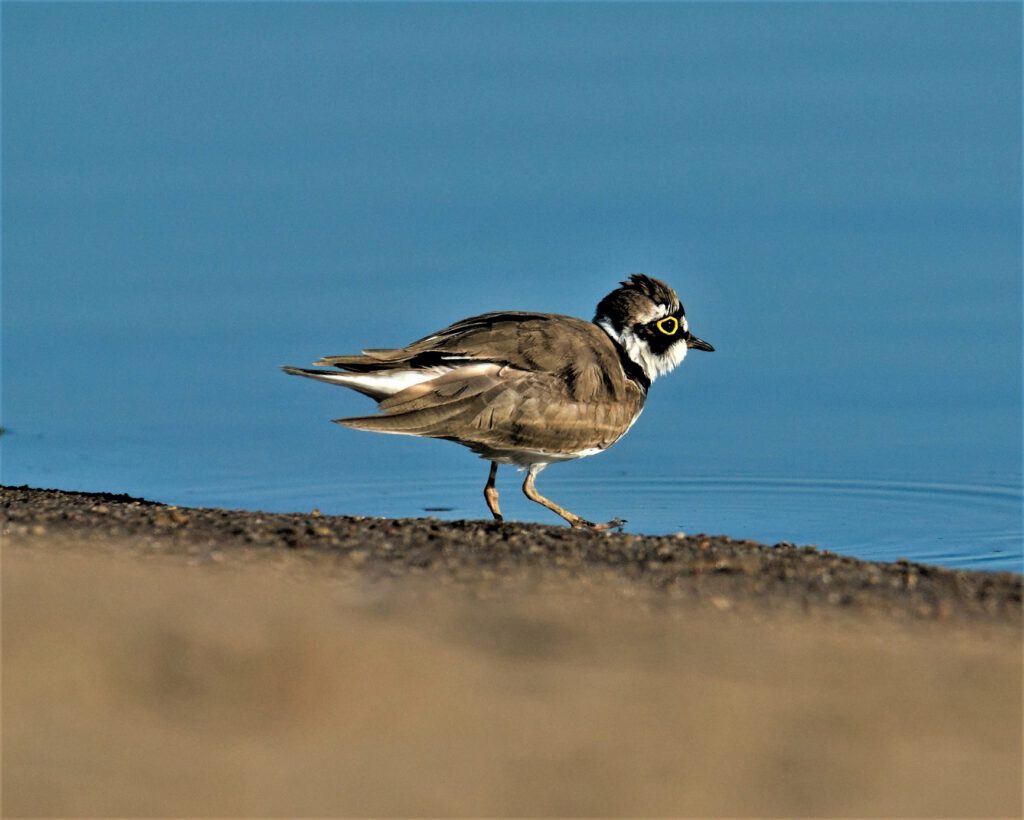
column 699, row 344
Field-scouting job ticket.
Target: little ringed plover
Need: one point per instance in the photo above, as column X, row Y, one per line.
column 529, row 389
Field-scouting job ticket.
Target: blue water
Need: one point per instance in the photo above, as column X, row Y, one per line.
column 194, row 194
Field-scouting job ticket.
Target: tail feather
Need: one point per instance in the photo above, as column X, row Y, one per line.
column 320, row 375
column 417, row 402
column 350, row 380
column 380, row 424
column 369, row 360
column 429, row 422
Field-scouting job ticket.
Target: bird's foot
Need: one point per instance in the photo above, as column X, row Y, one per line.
column 614, row 524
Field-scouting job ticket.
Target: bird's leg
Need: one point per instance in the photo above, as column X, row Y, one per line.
column 491, row 493
column 530, row 491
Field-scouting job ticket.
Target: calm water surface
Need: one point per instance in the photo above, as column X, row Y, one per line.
column 194, row 194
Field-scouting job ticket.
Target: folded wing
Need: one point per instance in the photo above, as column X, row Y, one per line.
column 578, row 352
column 495, row 383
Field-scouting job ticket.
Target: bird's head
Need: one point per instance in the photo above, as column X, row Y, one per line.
column 647, row 319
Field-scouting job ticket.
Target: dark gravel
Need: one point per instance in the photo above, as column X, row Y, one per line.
column 714, row 570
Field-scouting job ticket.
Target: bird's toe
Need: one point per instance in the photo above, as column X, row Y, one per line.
column 614, row 524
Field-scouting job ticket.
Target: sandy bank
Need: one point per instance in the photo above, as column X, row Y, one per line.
column 162, row 661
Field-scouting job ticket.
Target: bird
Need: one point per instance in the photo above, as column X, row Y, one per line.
column 521, row 388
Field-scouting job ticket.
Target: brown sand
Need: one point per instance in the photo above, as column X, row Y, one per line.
column 170, row 672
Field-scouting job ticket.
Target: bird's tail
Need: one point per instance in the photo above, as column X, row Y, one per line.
column 354, row 381
column 335, row 377
column 431, row 422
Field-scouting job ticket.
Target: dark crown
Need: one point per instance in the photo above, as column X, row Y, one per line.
column 638, row 295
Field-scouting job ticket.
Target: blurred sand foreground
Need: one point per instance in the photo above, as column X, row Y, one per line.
column 153, row 687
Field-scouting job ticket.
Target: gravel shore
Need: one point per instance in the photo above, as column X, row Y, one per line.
column 703, row 569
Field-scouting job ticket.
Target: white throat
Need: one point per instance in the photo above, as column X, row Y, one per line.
column 641, row 355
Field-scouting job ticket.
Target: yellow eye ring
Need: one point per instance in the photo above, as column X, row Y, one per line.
column 669, row 325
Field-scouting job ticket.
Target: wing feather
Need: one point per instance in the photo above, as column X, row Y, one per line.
column 578, row 352
column 491, row 409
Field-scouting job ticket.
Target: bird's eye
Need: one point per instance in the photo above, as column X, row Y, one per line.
column 669, row 325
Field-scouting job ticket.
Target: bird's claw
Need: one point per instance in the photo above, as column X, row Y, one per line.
column 614, row 524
